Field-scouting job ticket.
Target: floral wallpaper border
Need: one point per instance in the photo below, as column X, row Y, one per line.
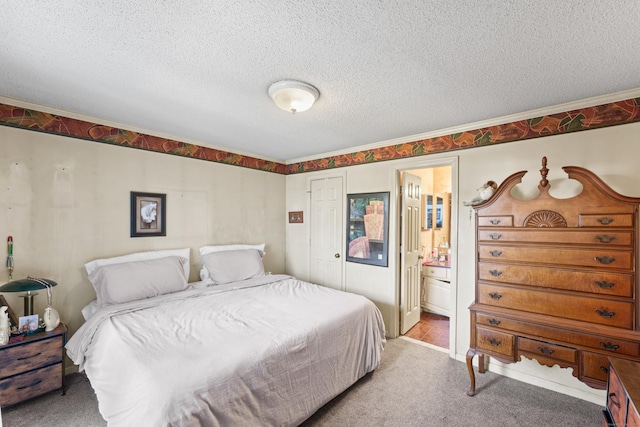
column 614, row 113
column 59, row 125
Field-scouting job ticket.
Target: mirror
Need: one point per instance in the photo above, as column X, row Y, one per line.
column 439, row 212
column 427, row 212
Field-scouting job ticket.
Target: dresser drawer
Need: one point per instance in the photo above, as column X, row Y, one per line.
column 603, row 258
column 441, row 273
column 558, row 235
column 616, row 399
column 633, row 417
column 608, row 344
column 23, row 358
column 606, row 220
column 495, row 221
column 547, row 350
column 595, row 366
column 606, row 283
column 20, row 387
column 495, row 342
column 567, row 306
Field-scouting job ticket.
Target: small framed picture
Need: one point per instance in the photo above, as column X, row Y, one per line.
column 295, row 217
column 13, row 320
column 148, row 214
column 28, row 323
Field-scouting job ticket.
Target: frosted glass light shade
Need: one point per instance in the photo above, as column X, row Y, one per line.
column 293, row 96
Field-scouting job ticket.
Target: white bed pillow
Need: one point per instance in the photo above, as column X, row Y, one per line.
column 233, row 266
column 140, row 256
column 204, row 273
column 88, row 310
column 132, row 281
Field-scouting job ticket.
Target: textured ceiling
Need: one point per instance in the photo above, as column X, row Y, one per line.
column 198, row 71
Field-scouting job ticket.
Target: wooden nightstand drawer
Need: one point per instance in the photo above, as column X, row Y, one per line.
column 34, row 383
column 547, row 350
column 23, row 358
column 495, row 342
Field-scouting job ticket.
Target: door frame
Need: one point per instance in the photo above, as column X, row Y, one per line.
column 432, row 162
column 343, row 224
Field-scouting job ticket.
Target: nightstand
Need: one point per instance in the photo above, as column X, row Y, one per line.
column 33, row 366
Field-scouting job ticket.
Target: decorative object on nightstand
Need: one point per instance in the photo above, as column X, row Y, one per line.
column 5, row 329
column 28, row 285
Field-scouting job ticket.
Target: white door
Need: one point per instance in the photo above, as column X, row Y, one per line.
column 327, row 232
column 410, row 252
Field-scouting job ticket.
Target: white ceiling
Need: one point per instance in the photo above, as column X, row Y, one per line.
column 199, row 70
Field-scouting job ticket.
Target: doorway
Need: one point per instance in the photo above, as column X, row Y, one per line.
column 436, row 327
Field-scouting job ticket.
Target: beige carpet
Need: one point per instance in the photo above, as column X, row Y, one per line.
column 414, row 386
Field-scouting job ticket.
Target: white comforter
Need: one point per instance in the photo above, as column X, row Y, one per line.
column 267, row 351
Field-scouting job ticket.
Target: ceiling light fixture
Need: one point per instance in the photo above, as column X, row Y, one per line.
column 293, row 96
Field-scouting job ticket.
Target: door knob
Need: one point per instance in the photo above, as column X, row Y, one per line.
column 337, row 255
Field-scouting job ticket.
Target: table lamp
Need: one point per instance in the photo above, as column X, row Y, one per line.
column 29, row 285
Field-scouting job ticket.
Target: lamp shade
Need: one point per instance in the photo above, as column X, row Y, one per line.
column 26, row 285
column 293, row 96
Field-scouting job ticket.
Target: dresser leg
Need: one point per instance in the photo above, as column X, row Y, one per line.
column 472, row 375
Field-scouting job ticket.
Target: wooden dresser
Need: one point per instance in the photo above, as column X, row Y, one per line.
column 623, row 394
column 33, row 366
column 556, row 279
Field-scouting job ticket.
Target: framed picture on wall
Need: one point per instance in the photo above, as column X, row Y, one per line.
column 148, row 214
column 368, row 228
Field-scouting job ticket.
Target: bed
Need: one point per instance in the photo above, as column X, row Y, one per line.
column 263, row 350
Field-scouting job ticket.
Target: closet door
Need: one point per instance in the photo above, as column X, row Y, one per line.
column 327, row 232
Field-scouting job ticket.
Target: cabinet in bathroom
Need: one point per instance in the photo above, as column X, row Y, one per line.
column 435, row 289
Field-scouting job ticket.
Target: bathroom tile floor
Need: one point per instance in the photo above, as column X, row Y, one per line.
column 432, row 329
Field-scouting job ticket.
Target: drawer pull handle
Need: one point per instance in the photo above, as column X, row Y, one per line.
column 609, row 346
column 605, row 259
column 494, row 295
column 29, row 357
column 545, row 350
column 495, row 273
column 495, row 253
column 495, row 236
column 494, row 322
column 28, row 386
column 613, row 401
column 605, row 221
column 606, row 239
column 605, row 285
column 494, row 342
column 606, row 313
column 604, row 369
column 494, row 221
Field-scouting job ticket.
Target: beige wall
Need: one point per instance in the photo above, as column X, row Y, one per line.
column 66, row 202
column 612, row 153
